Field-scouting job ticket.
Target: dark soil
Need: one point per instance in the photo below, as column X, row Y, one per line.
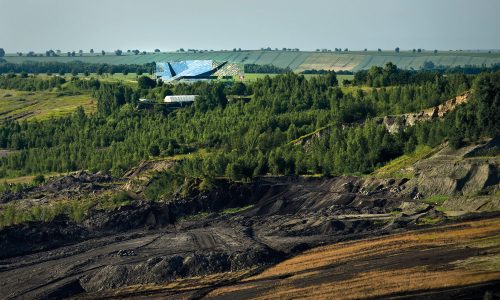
column 147, row 243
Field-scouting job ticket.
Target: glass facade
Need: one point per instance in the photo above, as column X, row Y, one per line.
column 177, row 70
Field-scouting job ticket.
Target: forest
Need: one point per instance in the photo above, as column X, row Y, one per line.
column 266, row 69
column 227, row 137
column 390, row 74
column 74, row 67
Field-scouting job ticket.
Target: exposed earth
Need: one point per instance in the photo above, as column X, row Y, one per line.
column 261, row 239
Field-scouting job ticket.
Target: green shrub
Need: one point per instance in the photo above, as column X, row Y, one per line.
column 110, row 202
column 206, row 184
column 166, row 184
column 436, row 199
column 39, row 179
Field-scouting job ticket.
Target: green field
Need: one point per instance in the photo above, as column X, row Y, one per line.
column 297, row 61
column 17, row 105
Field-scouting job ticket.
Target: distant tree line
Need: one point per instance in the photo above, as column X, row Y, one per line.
column 26, row 83
column 73, row 67
column 322, row 72
column 266, row 69
column 466, row 69
column 390, row 74
column 330, row 50
column 282, row 49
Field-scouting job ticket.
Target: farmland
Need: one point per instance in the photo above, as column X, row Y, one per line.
column 19, row 105
column 297, row 61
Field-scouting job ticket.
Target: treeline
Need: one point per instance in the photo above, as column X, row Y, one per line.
column 73, row 67
column 467, row 69
column 390, row 74
column 266, row 69
column 322, row 72
column 245, row 139
column 29, row 83
column 293, row 92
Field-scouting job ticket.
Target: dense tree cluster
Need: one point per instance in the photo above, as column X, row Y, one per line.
column 25, row 83
column 390, row 75
column 266, row 69
column 467, row 69
column 322, row 72
column 245, row 139
column 74, row 66
column 144, row 82
column 481, row 116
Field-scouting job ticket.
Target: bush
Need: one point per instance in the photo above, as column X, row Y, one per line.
column 166, row 184
column 145, row 82
column 39, row 179
column 455, row 139
column 154, row 150
column 206, row 184
column 111, row 202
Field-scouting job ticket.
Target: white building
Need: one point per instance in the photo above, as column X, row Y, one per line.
column 180, row 99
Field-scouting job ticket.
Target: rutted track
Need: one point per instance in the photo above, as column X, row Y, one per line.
column 288, row 215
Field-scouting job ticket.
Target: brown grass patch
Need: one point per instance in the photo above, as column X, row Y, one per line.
column 377, row 284
column 353, row 270
column 348, row 251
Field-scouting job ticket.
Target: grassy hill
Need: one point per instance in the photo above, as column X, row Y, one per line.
column 19, row 105
column 298, row 61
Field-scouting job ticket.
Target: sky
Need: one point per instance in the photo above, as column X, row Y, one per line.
column 248, row 24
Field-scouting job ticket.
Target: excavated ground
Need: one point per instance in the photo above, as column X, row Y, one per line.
column 145, row 244
column 459, row 261
column 188, row 246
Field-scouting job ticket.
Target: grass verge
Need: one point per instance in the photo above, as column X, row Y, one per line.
column 15, row 213
column 396, row 167
column 437, row 200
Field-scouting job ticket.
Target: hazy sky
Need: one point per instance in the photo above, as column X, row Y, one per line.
column 250, row 24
